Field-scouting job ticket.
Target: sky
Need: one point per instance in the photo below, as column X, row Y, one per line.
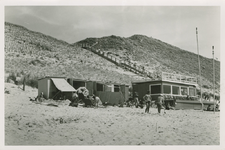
column 175, row 25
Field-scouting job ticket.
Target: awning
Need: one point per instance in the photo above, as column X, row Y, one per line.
column 62, row 85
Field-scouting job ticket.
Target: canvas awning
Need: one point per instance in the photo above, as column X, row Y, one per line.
column 62, row 85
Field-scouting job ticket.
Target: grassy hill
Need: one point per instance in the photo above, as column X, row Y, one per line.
column 156, row 55
column 36, row 55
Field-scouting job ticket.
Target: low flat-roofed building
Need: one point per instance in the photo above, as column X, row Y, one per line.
column 53, row 86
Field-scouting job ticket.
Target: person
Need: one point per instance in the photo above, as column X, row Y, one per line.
column 96, row 99
column 74, row 96
column 208, row 108
column 40, row 98
column 159, row 102
column 136, row 99
column 147, row 99
column 74, row 100
column 218, row 106
column 188, row 97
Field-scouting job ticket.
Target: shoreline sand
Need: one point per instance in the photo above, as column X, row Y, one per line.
column 27, row 123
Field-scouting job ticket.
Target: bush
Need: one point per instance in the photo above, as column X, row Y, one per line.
column 12, row 77
column 205, row 86
column 19, row 77
column 32, row 82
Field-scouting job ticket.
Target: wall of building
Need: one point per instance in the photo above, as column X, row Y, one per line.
column 52, row 89
column 141, row 88
column 190, row 106
column 91, row 86
column 108, row 88
column 43, row 86
column 77, row 84
column 112, row 98
column 125, row 91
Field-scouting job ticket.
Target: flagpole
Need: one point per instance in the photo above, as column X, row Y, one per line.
column 213, row 78
column 199, row 66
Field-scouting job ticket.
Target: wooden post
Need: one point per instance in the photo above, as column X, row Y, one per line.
column 199, row 66
column 156, row 126
column 213, row 78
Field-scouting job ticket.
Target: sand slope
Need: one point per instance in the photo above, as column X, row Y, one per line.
column 27, row 123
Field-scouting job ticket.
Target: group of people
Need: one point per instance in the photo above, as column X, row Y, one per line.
column 148, row 101
column 87, row 100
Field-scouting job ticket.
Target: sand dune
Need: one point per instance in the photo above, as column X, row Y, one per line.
column 27, row 123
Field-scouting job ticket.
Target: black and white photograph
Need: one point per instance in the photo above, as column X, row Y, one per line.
column 112, row 75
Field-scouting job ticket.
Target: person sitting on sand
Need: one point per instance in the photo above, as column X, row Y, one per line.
column 96, row 99
column 159, row 102
column 74, row 100
column 40, row 98
column 147, row 99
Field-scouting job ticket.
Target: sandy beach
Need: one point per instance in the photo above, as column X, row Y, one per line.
column 28, row 123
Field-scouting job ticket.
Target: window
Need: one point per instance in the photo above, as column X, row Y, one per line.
column 155, row 89
column 184, row 91
column 166, row 89
column 77, row 84
column 176, row 90
column 116, row 88
column 192, row 91
column 99, row 87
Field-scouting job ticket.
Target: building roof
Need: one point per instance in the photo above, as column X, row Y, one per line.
column 51, row 77
column 151, row 81
column 173, row 78
column 62, row 85
column 98, row 81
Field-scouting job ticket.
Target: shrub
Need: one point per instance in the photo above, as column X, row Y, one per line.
column 32, row 82
column 12, row 76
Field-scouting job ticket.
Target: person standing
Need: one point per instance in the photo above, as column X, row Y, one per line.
column 136, row 101
column 147, row 99
column 159, row 102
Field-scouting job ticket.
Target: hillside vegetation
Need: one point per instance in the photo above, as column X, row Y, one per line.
column 37, row 55
column 156, row 55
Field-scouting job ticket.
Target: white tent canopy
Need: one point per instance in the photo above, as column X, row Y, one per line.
column 62, row 85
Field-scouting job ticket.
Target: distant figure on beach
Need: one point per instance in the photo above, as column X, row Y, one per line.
column 208, row 108
column 74, row 100
column 40, row 98
column 136, row 99
column 96, row 100
column 159, row 102
column 147, row 99
column 218, row 106
column 74, row 96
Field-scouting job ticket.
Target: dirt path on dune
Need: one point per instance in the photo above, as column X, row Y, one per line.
column 27, row 123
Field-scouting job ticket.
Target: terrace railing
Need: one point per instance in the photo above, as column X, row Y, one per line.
column 178, row 78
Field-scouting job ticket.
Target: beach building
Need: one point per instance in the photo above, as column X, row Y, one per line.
column 174, row 87
column 55, row 87
column 113, row 94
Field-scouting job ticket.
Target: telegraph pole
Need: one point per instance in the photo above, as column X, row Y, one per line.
column 199, row 66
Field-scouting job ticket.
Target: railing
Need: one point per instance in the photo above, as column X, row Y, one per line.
column 118, row 61
column 178, row 78
column 133, row 67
